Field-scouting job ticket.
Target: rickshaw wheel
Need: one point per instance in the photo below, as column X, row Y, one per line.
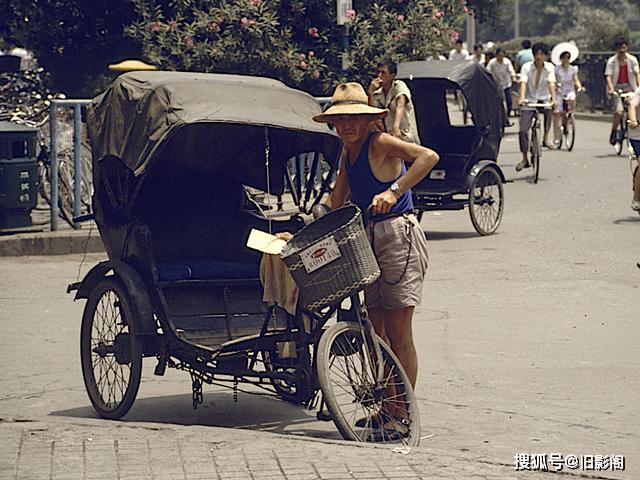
column 110, row 352
column 486, row 201
column 361, row 410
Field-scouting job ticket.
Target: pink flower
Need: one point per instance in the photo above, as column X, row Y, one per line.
column 350, row 14
column 188, row 40
column 466, row 10
column 313, row 31
column 173, row 24
column 302, row 56
column 454, row 36
column 397, row 38
column 401, row 18
column 252, row 22
column 312, row 53
column 214, row 27
column 405, row 31
column 433, row 17
column 244, row 21
column 256, row 2
column 315, row 74
column 154, row 26
column 440, row 14
column 303, row 64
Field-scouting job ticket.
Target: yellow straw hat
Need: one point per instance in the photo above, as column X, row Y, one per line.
column 349, row 99
column 131, row 65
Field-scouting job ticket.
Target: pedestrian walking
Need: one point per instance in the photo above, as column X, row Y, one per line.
column 504, row 74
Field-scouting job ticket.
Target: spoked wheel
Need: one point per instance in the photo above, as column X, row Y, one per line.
column 486, row 201
column 363, row 409
column 536, row 152
column 570, row 133
column 110, row 352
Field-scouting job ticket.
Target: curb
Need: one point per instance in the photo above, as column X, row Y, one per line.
column 51, row 243
column 596, row 117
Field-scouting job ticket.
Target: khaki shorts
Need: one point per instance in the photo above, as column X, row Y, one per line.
column 398, row 288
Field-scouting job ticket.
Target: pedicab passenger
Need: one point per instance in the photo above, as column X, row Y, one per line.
column 375, row 175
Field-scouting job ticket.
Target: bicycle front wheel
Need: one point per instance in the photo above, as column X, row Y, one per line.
column 570, row 133
column 363, row 409
column 536, row 153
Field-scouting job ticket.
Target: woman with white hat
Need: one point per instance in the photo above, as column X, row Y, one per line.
column 374, row 174
column 567, row 76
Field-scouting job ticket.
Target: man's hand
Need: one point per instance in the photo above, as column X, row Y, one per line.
column 383, row 202
column 609, row 90
column 521, row 101
column 633, row 124
column 553, row 103
column 376, row 83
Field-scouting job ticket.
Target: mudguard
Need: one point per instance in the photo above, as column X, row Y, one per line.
column 479, row 167
column 134, row 285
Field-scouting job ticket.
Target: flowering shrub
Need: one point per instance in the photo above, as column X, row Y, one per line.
column 296, row 41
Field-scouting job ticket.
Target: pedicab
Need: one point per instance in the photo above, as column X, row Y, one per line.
column 177, row 158
column 467, row 174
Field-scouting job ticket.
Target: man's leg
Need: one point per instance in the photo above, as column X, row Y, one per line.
column 526, row 117
column 377, row 316
column 548, row 115
column 399, row 330
column 617, row 117
column 556, row 128
column 509, row 100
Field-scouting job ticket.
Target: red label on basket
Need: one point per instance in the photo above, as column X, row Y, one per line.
column 320, row 254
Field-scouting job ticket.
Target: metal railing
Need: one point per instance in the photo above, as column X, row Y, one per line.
column 77, row 165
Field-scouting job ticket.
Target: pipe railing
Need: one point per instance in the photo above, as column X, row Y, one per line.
column 77, row 162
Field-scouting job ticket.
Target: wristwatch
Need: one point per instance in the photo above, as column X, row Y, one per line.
column 395, row 188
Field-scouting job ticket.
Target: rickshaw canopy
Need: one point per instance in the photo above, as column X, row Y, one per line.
column 429, row 80
column 143, row 113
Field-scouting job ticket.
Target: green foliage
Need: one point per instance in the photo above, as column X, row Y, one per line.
column 296, row 41
column 74, row 40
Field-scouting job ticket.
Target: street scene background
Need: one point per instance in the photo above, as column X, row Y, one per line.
column 527, row 342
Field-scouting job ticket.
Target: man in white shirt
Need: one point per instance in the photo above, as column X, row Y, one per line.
column 458, row 53
column 478, row 54
column 504, row 74
column 622, row 73
column 537, row 85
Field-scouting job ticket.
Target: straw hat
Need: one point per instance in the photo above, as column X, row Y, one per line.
column 349, row 99
column 560, row 48
column 131, row 65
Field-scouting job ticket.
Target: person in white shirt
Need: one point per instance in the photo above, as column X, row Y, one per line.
column 504, row 74
column 622, row 73
column 569, row 81
column 634, row 139
column 537, row 85
column 478, row 54
column 458, row 53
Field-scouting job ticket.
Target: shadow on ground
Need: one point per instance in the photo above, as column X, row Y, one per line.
column 250, row 412
column 437, row 236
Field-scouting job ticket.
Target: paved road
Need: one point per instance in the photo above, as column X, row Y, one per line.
column 527, row 340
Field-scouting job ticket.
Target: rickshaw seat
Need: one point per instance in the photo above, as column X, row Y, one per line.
column 207, row 270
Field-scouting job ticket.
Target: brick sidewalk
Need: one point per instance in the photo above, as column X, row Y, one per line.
column 118, row 450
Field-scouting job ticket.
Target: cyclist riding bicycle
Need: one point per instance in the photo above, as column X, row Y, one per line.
column 634, row 139
column 537, row 85
column 623, row 74
column 568, row 82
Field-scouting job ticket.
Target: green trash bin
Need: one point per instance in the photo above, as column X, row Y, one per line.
column 18, row 175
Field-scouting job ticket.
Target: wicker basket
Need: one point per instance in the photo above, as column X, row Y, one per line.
column 331, row 258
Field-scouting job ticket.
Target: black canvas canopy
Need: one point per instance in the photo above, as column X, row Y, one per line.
column 142, row 112
column 429, row 80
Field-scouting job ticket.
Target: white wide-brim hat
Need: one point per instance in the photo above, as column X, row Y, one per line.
column 560, row 48
column 349, row 99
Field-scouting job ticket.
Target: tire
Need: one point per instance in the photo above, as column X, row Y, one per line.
column 536, row 149
column 345, row 370
column 570, row 133
column 112, row 376
column 486, row 201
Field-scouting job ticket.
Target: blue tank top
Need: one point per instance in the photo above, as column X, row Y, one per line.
column 364, row 185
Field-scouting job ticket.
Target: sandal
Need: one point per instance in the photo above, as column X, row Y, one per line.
column 372, row 421
column 393, row 430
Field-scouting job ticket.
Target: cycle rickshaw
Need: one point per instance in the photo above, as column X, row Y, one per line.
column 467, row 173
column 174, row 155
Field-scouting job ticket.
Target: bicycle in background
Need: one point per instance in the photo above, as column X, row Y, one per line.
column 622, row 133
column 535, row 137
column 567, row 121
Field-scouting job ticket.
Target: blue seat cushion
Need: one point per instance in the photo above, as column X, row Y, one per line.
column 207, row 270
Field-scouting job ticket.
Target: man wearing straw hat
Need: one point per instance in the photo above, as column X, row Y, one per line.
column 375, row 175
